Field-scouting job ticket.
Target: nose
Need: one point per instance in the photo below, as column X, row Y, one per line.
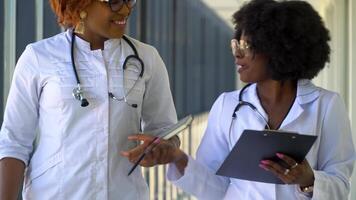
column 239, row 60
column 238, row 55
column 236, row 60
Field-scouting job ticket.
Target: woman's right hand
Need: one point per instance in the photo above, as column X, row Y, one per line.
column 162, row 152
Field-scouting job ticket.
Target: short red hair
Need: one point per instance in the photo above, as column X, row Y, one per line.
column 67, row 11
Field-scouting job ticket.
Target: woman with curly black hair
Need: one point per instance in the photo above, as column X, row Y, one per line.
column 279, row 46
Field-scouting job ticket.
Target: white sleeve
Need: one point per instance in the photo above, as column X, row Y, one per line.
column 336, row 155
column 21, row 112
column 199, row 177
column 158, row 109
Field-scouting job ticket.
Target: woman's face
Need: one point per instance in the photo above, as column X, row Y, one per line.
column 251, row 66
column 101, row 21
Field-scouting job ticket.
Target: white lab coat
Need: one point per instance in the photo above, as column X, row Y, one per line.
column 72, row 152
column 315, row 112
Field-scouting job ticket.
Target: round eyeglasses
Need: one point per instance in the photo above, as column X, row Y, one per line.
column 240, row 48
column 116, row 5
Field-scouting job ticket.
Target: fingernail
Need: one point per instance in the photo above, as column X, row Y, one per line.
column 264, row 161
column 157, row 140
column 280, row 155
column 263, row 167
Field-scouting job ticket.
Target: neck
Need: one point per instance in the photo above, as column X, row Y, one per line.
column 96, row 41
column 274, row 92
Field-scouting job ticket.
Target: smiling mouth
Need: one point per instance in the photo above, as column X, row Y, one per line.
column 119, row 22
column 241, row 68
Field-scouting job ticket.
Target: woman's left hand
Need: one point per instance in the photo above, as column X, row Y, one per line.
column 297, row 173
column 158, row 152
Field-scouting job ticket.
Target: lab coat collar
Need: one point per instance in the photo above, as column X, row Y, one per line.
column 306, row 92
column 109, row 45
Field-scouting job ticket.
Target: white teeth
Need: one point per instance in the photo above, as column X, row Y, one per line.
column 122, row 22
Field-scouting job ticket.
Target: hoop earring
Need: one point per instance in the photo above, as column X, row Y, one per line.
column 80, row 27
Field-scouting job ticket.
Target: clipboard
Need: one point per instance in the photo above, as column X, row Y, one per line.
column 253, row 146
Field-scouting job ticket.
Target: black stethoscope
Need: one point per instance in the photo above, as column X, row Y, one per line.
column 78, row 91
column 248, row 104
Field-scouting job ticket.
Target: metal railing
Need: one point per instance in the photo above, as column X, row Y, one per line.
column 160, row 187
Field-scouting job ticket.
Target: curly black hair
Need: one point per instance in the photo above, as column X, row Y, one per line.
column 290, row 33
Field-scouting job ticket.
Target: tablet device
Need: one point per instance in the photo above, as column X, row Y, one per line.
column 174, row 129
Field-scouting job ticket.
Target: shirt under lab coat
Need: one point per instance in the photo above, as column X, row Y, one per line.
column 72, row 152
column 315, row 111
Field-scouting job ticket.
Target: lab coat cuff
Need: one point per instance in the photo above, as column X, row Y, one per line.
column 193, row 173
column 174, row 175
column 301, row 194
column 319, row 187
column 14, row 155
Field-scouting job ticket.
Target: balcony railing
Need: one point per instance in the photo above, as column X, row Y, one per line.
column 160, row 187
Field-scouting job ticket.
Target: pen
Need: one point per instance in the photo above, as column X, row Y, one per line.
column 155, row 141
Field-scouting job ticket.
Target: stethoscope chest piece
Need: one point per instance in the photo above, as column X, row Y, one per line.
column 78, row 92
column 78, row 95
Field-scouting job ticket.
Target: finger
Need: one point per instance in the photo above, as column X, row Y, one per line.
column 290, row 161
column 137, row 152
column 274, row 166
column 156, row 155
column 156, row 145
column 141, row 137
column 124, row 153
column 152, row 155
column 134, row 153
column 274, row 172
column 287, row 179
column 147, row 161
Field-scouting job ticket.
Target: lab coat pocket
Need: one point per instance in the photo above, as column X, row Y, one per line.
column 68, row 85
column 68, row 82
column 37, row 175
column 67, row 92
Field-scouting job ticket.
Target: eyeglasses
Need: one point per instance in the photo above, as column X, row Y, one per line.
column 116, row 5
column 240, row 48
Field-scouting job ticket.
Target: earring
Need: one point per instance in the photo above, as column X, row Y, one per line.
column 80, row 28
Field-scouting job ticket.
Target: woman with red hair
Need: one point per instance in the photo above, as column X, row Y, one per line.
column 75, row 99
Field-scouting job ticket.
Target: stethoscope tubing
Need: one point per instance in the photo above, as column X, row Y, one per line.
column 237, row 108
column 78, row 92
